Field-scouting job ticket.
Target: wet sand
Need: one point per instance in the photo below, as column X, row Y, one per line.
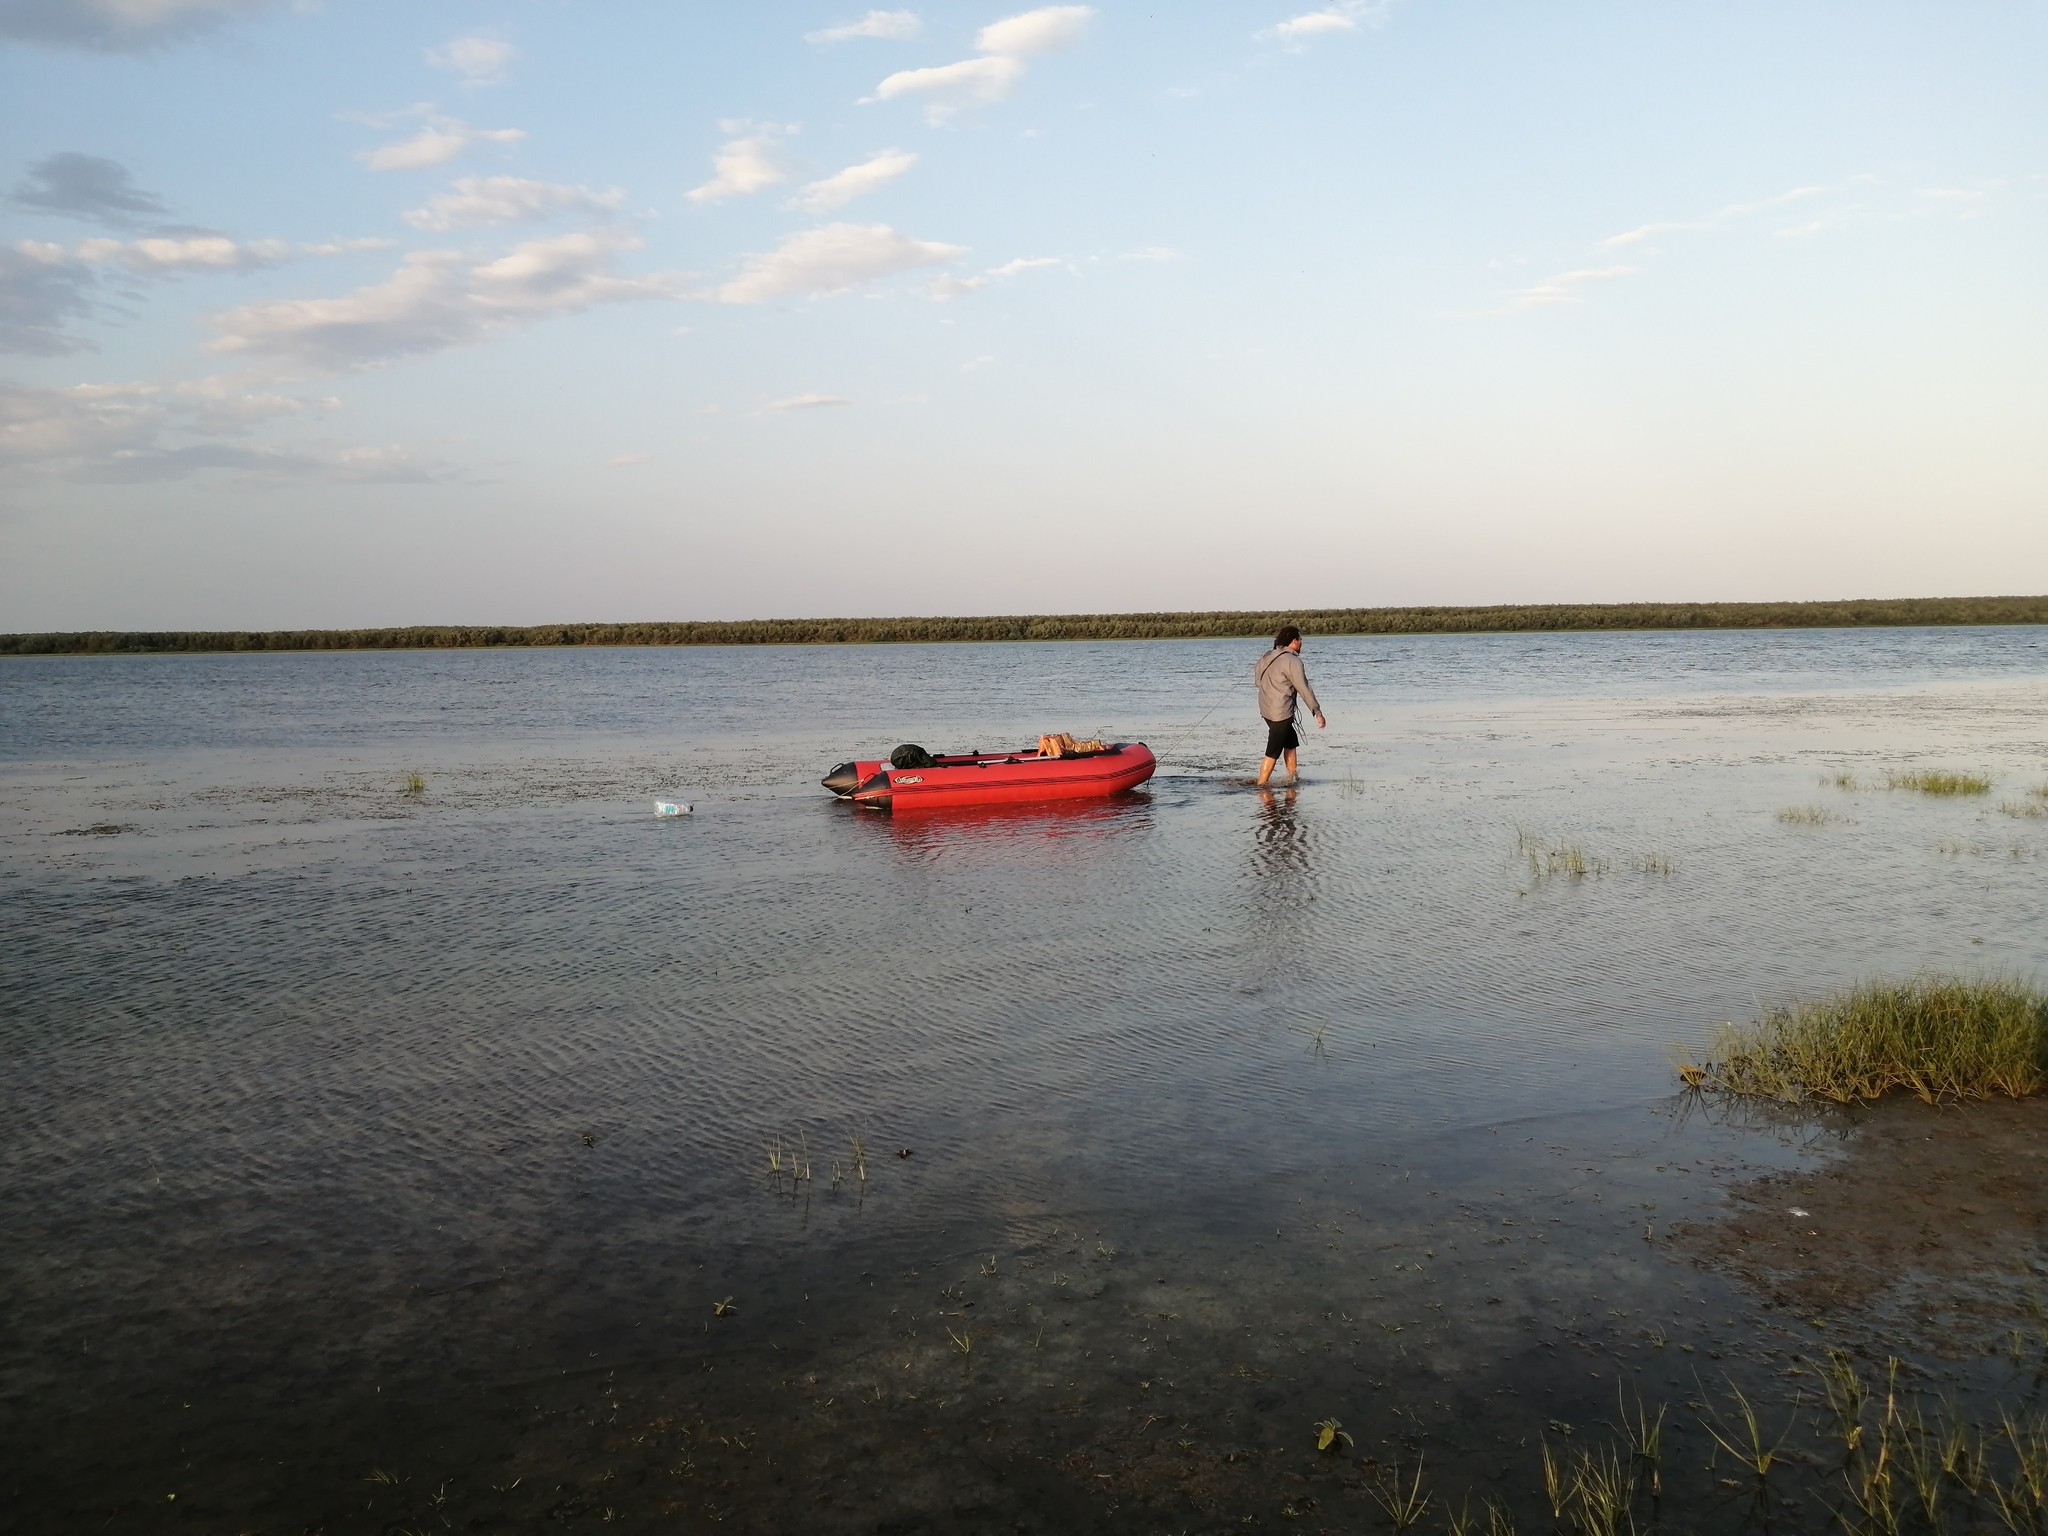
column 1927, row 1233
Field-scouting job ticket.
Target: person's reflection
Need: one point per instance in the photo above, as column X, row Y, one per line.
column 1280, row 841
column 1281, row 871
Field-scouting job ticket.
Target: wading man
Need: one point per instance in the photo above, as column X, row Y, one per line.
column 1282, row 680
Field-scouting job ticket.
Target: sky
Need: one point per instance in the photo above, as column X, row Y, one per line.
column 520, row 311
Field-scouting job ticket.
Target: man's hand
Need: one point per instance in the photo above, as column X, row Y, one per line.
column 1321, row 723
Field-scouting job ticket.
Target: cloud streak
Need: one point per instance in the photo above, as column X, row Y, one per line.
column 118, row 26
column 891, row 26
column 42, row 288
column 479, row 201
column 131, row 432
column 439, row 300
column 162, row 255
column 805, row 403
column 1734, row 211
column 480, row 60
column 440, row 141
column 1561, row 289
column 744, row 165
column 1004, row 46
column 842, row 187
column 1345, row 16
column 832, row 259
column 87, row 187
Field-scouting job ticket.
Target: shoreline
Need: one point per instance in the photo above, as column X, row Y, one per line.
column 1509, row 618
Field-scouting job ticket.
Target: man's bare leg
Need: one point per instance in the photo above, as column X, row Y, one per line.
column 1266, row 768
column 1293, row 772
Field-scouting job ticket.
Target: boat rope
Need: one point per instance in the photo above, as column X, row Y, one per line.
column 1228, row 689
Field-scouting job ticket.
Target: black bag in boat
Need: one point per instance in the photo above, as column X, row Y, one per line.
column 910, row 755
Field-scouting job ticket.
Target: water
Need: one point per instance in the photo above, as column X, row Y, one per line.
column 366, row 1148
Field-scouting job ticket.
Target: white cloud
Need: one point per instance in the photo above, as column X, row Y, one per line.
column 117, row 26
column 1344, row 16
column 948, row 287
column 1154, row 253
column 223, row 403
column 1004, row 46
column 806, row 403
column 1558, row 289
column 43, row 286
column 1024, row 264
column 842, row 187
column 482, row 200
column 345, row 247
column 160, row 255
column 480, row 60
column 140, row 431
column 438, row 300
column 436, row 144
column 830, row 260
column 892, row 26
column 1045, row 30
column 41, row 425
column 745, row 164
column 969, row 83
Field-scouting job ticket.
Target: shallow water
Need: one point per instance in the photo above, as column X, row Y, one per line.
column 357, row 1136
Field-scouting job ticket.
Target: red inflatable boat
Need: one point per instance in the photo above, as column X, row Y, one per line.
column 992, row 778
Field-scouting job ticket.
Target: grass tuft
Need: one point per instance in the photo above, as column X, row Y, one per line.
column 414, row 784
column 1570, row 860
column 2025, row 808
column 1941, row 1037
column 1934, row 782
column 1806, row 815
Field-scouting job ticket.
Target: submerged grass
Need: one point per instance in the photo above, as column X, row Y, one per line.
column 1944, row 1038
column 1547, row 860
column 1806, row 815
column 1937, row 782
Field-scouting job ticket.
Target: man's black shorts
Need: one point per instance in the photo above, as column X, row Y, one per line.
column 1280, row 737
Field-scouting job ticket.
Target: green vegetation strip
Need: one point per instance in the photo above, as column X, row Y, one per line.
column 1940, row 1037
column 1894, row 612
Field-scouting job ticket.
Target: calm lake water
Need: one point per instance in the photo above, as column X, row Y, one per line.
column 388, row 1161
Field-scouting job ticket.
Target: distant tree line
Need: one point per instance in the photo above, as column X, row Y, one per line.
column 1076, row 626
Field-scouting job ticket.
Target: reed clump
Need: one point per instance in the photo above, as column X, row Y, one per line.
column 1547, row 860
column 1938, row 782
column 1942, row 1038
column 1806, row 815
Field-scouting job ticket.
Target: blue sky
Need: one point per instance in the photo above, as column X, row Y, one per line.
column 369, row 313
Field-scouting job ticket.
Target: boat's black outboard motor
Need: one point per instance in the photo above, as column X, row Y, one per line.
column 843, row 780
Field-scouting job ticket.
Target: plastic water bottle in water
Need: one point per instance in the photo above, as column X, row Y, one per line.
column 670, row 808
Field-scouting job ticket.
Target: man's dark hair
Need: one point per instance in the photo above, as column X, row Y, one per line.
column 1287, row 636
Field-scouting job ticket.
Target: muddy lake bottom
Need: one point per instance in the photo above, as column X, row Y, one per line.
column 493, row 1156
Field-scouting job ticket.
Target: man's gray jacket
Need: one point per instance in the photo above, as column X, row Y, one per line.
column 1280, row 676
